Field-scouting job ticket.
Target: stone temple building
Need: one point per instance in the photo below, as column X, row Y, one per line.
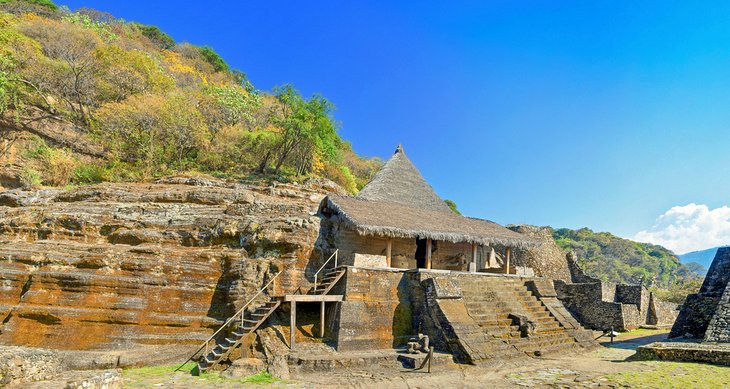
column 398, row 221
column 396, row 262
column 702, row 330
column 706, row 315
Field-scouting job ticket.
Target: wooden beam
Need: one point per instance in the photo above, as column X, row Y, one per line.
column 473, row 263
column 389, row 252
column 321, row 320
column 428, row 253
column 292, row 324
column 506, row 255
column 313, row 298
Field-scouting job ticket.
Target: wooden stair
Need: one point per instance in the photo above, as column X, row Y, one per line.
column 249, row 324
column 331, row 277
column 251, row 321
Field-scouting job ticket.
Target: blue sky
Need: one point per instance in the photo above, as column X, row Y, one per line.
column 603, row 114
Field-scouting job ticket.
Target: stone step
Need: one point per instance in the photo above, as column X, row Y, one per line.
column 493, row 322
column 550, row 349
column 540, row 344
column 544, row 337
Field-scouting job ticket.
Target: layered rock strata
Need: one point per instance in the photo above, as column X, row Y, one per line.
column 117, row 265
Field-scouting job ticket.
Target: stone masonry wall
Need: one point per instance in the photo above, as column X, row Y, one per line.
column 718, row 331
column 376, row 312
column 585, row 302
column 699, row 309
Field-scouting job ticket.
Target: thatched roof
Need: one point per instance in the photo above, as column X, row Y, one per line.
column 398, row 181
column 395, row 220
column 399, row 203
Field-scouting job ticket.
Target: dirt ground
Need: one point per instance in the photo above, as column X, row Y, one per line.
column 605, row 367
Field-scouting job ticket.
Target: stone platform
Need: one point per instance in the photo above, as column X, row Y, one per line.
column 308, row 362
column 717, row 354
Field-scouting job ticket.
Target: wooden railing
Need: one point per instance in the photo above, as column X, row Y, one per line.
column 334, row 255
column 233, row 319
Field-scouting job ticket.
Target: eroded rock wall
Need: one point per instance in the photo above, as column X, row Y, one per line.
column 547, row 260
column 117, row 265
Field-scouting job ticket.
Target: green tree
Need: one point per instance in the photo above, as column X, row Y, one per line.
column 307, row 128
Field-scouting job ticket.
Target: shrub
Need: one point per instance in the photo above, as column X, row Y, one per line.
column 30, row 178
column 58, row 167
column 43, row 3
column 213, row 58
column 90, row 174
column 154, row 34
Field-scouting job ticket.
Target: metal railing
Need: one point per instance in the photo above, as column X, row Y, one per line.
column 334, row 255
column 241, row 312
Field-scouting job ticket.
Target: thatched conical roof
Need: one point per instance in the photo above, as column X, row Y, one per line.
column 399, row 181
column 399, row 203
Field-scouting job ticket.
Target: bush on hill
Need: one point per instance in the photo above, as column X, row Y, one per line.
column 159, row 107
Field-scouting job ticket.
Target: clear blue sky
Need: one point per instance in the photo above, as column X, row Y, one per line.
column 578, row 113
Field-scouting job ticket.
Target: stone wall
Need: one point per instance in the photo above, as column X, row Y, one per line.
column 661, row 313
column 603, row 305
column 19, row 365
column 718, row 331
column 376, row 312
column 585, row 302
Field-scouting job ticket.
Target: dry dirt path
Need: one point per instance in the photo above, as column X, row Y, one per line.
column 605, row 367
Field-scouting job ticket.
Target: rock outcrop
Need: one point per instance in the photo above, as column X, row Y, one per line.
column 546, row 260
column 113, row 266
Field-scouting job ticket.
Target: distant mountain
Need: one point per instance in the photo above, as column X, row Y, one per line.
column 703, row 257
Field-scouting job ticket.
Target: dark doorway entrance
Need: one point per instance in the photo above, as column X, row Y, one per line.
column 421, row 253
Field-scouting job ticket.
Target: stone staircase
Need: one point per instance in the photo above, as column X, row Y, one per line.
column 491, row 300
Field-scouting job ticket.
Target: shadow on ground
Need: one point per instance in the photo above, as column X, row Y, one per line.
column 633, row 343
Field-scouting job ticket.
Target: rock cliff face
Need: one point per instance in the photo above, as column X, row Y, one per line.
column 547, row 259
column 117, row 265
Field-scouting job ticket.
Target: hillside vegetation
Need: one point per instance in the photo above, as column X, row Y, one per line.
column 111, row 100
column 614, row 259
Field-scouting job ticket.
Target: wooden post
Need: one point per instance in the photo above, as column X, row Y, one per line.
column 473, row 263
column 428, row 253
column 389, row 252
column 506, row 255
column 321, row 320
column 292, row 324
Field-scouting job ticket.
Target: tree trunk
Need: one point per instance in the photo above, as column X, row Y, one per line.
column 265, row 161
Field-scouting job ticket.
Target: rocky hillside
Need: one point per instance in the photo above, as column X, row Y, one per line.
column 118, row 265
column 87, row 98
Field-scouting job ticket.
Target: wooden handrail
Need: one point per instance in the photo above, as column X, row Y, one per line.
column 325, row 264
column 229, row 321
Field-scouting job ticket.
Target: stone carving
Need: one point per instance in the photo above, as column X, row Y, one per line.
column 418, row 344
column 528, row 327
